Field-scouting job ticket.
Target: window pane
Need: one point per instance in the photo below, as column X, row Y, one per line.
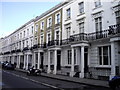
column 81, row 7
column 100, row 51
column 81, row 27
column 105, row 50
column 105, row 60
column 100, row 60
column 68, row 13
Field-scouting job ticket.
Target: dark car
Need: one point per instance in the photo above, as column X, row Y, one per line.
column 9, row 66
column 114, row 82
column 3, row 64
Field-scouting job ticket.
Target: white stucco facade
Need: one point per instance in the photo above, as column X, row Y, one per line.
column 78, row 36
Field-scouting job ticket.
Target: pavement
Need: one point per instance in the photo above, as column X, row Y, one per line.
column 92, row 82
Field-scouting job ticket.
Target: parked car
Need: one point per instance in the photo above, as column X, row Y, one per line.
column 114, row 82
column 3, row 64
column 32, row 71
column 9, row 66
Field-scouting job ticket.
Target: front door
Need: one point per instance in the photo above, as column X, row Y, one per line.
column 58, row 60
column 86, row 61
column 41, row 54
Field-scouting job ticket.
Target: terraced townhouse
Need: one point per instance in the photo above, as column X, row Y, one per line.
column 75, row 37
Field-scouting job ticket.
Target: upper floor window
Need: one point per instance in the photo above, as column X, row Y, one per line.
column 49, row 22
column 117, row 13
column 35, row 40
column 23, row 44
column 15, row 38
column 31, row 42
column 36, row 28
column 97, row 3
column 27, row 31
column 68, row 13
column 98, row 24
column 81, row 7
column 41, row 39
column 24, row 33
column 32, row 29
column 81, row 25
column 20, row 35
column 48, row 37
column 27, row 43
column 58, row 18
column 57, row 35
column 68, row 30
column 42, row 25
column 104, row 55
column 20, row 45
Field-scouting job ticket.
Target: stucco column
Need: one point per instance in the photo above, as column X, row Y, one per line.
column 112, row 60
column 34, row 57
column 48, row 71
column 19, row 61
column 24, row 62
column 82, row 62
column 27, row 62
column 38, row 66
column 12, row 59
column 55, row 62
column 72, row 65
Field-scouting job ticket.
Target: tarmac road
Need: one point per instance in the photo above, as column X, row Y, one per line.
column 15, row 79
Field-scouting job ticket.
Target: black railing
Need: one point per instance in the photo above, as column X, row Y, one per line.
column 25, row 49
column 65, row 41
column 98, row 35
column 8, row 52
column 53, row 42
column 13, row 51
column 35, row 46
column 79, row 37
column 18, row 50
column 114, row 29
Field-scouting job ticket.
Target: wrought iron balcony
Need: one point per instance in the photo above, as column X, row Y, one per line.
column 13, row 51
column 8, row 52
column 65, row 41
column 53, row 43
column 38, row 46
column 98, row 35
column 18, row 50
column 79, row 37
column 25, row 49
column 35, row 46
column 112, row 31
column 75, row 38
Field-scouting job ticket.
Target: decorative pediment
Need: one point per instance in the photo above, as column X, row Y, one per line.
column 67, row 25
column 81, row 20
column 98, row 14
column 116, row 8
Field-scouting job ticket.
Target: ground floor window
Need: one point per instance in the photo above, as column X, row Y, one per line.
column 69, row 56
column 104, row 55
